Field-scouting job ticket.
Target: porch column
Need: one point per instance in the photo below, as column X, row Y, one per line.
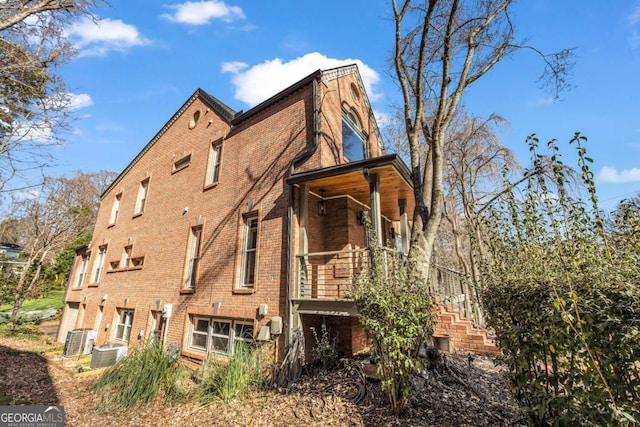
column 376, row 219
column 303, row 239
column 302, row 247
column 404, row 225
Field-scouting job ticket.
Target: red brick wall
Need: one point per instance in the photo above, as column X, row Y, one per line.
column 256, row 158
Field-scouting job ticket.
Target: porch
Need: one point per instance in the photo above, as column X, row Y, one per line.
column 330, row 236
column 324, row 281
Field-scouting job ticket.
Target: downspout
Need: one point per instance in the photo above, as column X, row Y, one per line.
column 291, row 251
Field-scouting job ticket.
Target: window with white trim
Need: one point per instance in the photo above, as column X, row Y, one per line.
column 249, row 250
column 213, row 166
column 353, row 138
column 142, row 196
column 82, row 270
column 123, row 325
column 193, row 257
column 125, row 260
column 98, row 264
column 200, row 334
column 216, row 335
column 115, row 208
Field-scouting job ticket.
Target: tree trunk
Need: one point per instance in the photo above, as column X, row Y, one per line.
column 25, row 285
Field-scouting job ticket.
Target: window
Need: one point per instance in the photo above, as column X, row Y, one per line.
column 193, row 256
column 82, row 270
column 125, row 261
column 220, row 332
column 123, row 325
column 213, row 168
column 142, row 196
column 98, row 264
column 353, row 139
column 182, row 163
column 216, row 334
column 249, row 249
column 115, row 208
column 200, row 334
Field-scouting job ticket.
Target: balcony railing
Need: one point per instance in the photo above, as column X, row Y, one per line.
column 329, row 275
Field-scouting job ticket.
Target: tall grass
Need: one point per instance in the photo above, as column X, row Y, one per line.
column 226, row 380
column 141, row 377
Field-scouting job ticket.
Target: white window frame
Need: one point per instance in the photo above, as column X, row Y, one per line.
column 82, row 270
column 194, row 331
column 352, row 121
column 124, row 323
column 115, row 209
column 249, row 254
column 125, row 260
column 193, row 257
column 213, row 165
column 98, row 264
column 231, row 337
column 143, row 192
column 213, row 335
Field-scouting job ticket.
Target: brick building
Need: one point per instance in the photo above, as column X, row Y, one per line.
column 240, row 225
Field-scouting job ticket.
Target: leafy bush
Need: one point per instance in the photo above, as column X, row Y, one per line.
column 141, row 377
column 229, row 379
column 564, row 299
column 396, row 312
column 325, row 350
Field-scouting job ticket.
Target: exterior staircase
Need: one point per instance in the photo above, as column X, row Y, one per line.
column 455, row 333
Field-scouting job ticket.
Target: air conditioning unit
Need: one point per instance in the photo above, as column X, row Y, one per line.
column 107, row 355
column 79, row 341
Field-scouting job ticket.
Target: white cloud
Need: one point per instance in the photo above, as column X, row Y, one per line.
column 201, row 13
column 611, row 175
column 78, row 101
column 233, row 67
column 97, row 38
column 259, row 82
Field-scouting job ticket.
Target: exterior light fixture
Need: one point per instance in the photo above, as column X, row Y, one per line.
column 322, row 206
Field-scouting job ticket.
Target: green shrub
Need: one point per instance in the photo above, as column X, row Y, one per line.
column 563, row 297
column 396, row 313
column 228, row 379
column 325, row 351
column 141, row 377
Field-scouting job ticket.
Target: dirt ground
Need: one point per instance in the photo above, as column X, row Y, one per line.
column 457, row 394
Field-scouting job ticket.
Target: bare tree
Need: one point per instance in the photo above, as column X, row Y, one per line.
column 441, row 48
column 35, row 105
column 49, row 219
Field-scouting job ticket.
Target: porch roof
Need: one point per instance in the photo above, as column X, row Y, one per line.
column 352, row 179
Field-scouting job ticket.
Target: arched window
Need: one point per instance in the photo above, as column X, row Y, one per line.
column 353, row 138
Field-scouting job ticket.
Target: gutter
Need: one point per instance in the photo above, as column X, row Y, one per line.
column 290, row 252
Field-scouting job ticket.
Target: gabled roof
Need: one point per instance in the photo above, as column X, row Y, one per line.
column 226, row 112
column 234, row 118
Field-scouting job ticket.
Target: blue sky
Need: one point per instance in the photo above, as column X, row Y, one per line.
column 139, row 61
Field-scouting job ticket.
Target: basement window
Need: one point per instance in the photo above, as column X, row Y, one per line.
column 219, row 336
